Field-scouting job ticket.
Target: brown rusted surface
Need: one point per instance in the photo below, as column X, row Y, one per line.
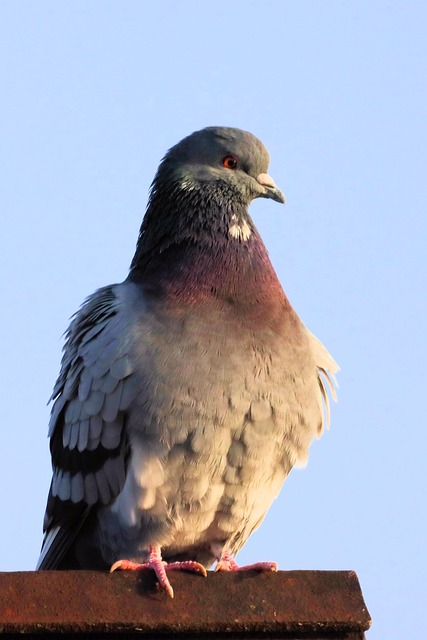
column 287, row 604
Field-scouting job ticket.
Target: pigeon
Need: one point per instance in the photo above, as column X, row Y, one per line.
column 188, row 392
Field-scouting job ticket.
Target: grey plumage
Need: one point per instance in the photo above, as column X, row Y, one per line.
column 188, row 392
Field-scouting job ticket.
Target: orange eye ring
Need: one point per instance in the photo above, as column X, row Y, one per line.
column 229, row 162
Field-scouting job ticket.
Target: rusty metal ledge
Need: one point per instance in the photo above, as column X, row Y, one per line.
column 287, row 604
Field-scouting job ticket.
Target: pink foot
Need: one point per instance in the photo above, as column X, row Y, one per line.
column 159, row 567
column 227, row 563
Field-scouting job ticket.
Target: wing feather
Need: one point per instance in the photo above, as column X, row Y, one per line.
column 326, row 370
column 88, row 440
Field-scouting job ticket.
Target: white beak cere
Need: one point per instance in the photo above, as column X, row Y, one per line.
column 271, row 191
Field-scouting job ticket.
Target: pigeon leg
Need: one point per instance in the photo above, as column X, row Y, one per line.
column 159, row 567
column 227, row 563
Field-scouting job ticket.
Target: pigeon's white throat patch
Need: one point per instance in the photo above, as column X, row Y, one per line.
column 239, row 229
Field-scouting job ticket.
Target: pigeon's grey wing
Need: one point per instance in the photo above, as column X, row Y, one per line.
column 326, row 370
column 88, row 441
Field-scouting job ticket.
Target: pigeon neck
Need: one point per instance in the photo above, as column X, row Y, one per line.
column 191, row 264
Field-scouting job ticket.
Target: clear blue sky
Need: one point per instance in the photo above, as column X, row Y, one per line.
column 92, row 95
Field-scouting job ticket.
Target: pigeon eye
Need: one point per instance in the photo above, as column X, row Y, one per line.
column 229, row 162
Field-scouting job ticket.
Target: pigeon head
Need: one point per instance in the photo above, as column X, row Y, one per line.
column 227, row 165
column 200, row 196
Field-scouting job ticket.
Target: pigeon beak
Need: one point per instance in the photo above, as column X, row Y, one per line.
column 271, row 191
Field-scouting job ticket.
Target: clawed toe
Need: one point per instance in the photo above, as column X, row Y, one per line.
column 227, row 563
column 126, row 565
column 186, row 565
column 159, row 566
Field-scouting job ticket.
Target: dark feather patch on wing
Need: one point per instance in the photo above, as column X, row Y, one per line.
column 73, row 460
column 58, row 539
